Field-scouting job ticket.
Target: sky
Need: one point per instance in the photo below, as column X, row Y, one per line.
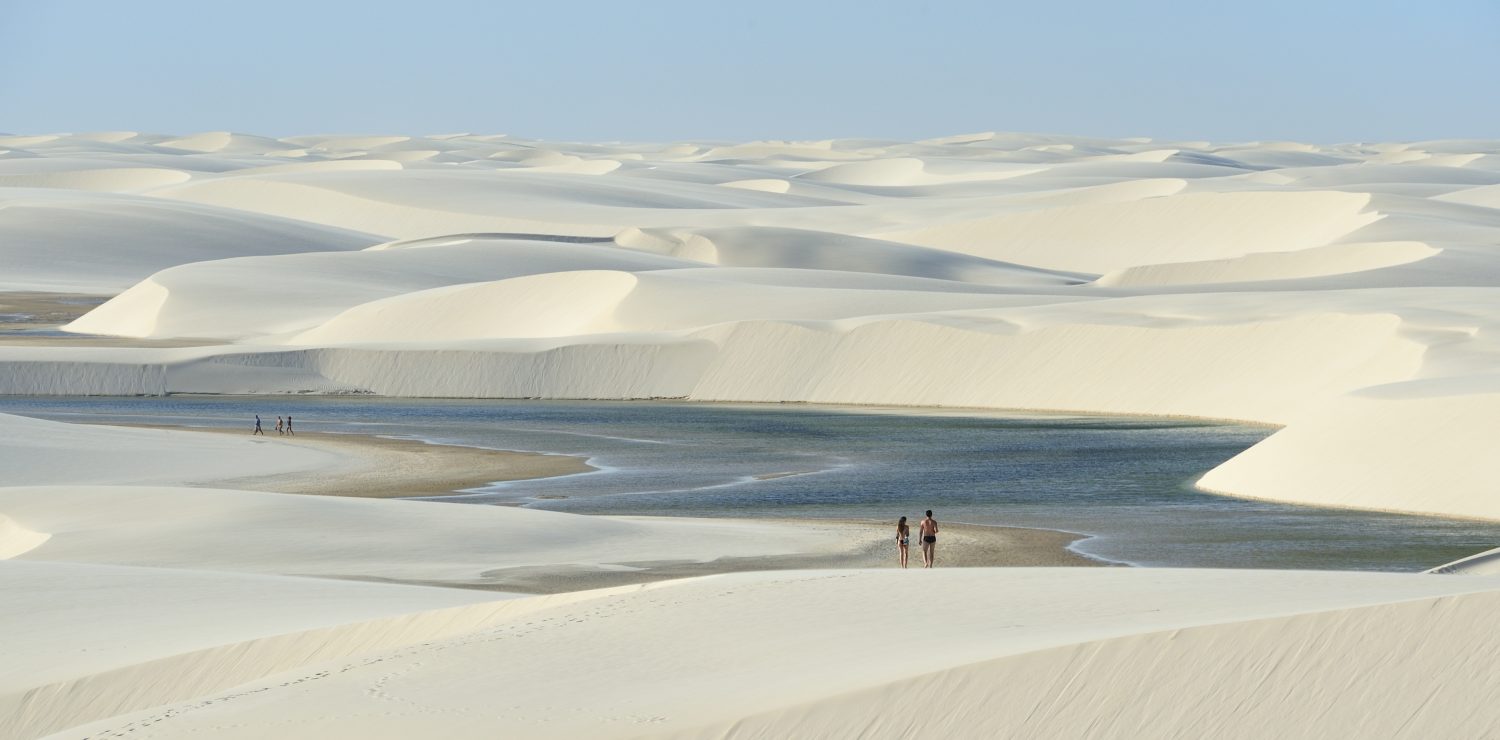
column 1220, row 70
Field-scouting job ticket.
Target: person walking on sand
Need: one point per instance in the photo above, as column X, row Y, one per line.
column 258, row 430
column 289, row 425
column 929, row 540
column 903, row 536
column 278, row 426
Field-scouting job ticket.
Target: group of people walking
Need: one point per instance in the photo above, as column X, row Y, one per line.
column 927, row 530
column 281, row 428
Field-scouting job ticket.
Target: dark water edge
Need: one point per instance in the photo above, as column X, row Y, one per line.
column 1126, row 482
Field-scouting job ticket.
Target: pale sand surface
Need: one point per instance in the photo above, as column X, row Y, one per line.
column 84, row 641
column 969, row 652
column 82, row 620
column 40, row 452
column 1344, row 292
column 353, row 535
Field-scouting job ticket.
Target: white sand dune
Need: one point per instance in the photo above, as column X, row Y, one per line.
column 1335, row 259
column 1048, row 349
column 240, row 298
column 225, row 142
column 1269, row 281
column 1033, row 652
column 17, row 540
column 912, row 171
column 412, row 203
column 819, row 250
column 1487, row 196
column 600, row 302
column 95, row 175
column 73, row 241
column 1315, row 460
column 38, row 452
column 85, row 642
column 378, row 539
column 1183, row 228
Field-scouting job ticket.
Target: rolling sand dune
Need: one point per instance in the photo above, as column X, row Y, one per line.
column 815, row 250
column 822, row 653
column 100, row 243
column 1182, row 228
column 219, row 629
column 1347, row 293
column 233, row 299
column 357, row 538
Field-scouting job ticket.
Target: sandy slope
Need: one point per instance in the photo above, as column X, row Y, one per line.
column 88, row 641
column 67, row 240
column 336, row 537
column 970, row 653
column 36, row 452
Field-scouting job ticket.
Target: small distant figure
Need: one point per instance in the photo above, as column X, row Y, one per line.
column 258, row 430
column 278, row 426
column 289, row 425
column 903, row 538
column 929, row 540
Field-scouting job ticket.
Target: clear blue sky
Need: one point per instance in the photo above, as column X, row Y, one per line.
column 639, row 70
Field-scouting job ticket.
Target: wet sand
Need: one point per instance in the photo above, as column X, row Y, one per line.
column 378, row 467
column 855, row 544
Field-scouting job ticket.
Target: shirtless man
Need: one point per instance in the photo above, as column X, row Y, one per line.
column 929, row 540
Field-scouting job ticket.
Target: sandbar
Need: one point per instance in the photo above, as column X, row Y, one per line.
column 385, row 467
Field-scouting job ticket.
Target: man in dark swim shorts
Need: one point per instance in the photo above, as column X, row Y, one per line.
column 929, row 540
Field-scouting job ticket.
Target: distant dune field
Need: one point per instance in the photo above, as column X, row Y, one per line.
column 1348, row 294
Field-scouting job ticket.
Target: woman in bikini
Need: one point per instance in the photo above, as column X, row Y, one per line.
column 903, row 536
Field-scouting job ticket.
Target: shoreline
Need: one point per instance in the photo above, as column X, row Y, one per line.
column 859, row 545
column 386, row 467
column 382, row 467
